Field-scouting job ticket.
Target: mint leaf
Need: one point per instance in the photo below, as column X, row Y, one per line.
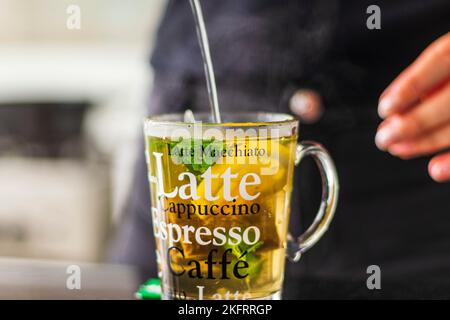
column 197, row 155
column 248, row 253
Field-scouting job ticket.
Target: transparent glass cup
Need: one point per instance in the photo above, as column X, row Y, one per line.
column 220, row 195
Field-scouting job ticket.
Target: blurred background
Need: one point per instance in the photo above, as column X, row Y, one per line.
column 71, row 106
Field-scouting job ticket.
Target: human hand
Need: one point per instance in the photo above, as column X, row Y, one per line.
column 416, row 109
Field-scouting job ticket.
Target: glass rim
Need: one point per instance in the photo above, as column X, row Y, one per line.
column 288, row 119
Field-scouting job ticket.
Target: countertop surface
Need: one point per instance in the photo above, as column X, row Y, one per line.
column 33, row 279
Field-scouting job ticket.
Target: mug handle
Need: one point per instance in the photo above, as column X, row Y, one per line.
column 330, row 188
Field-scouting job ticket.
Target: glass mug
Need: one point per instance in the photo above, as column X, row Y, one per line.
column 220, row 195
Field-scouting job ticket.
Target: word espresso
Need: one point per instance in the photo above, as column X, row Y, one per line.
column 220, row 225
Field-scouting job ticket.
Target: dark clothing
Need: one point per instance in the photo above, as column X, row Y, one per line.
column 390, row 212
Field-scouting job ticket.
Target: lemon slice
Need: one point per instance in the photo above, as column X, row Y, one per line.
column 272, row 171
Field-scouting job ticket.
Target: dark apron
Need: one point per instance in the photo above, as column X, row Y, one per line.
column 390, row 212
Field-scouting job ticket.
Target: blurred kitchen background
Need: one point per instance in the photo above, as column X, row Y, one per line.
column 71, row 106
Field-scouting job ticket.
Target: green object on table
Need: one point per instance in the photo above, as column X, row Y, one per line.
column 150, row 290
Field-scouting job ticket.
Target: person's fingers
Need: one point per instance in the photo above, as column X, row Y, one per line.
column 307, row 105
column 429, row 70
column 426, row 144
column 439, row 167
column 431, row 113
